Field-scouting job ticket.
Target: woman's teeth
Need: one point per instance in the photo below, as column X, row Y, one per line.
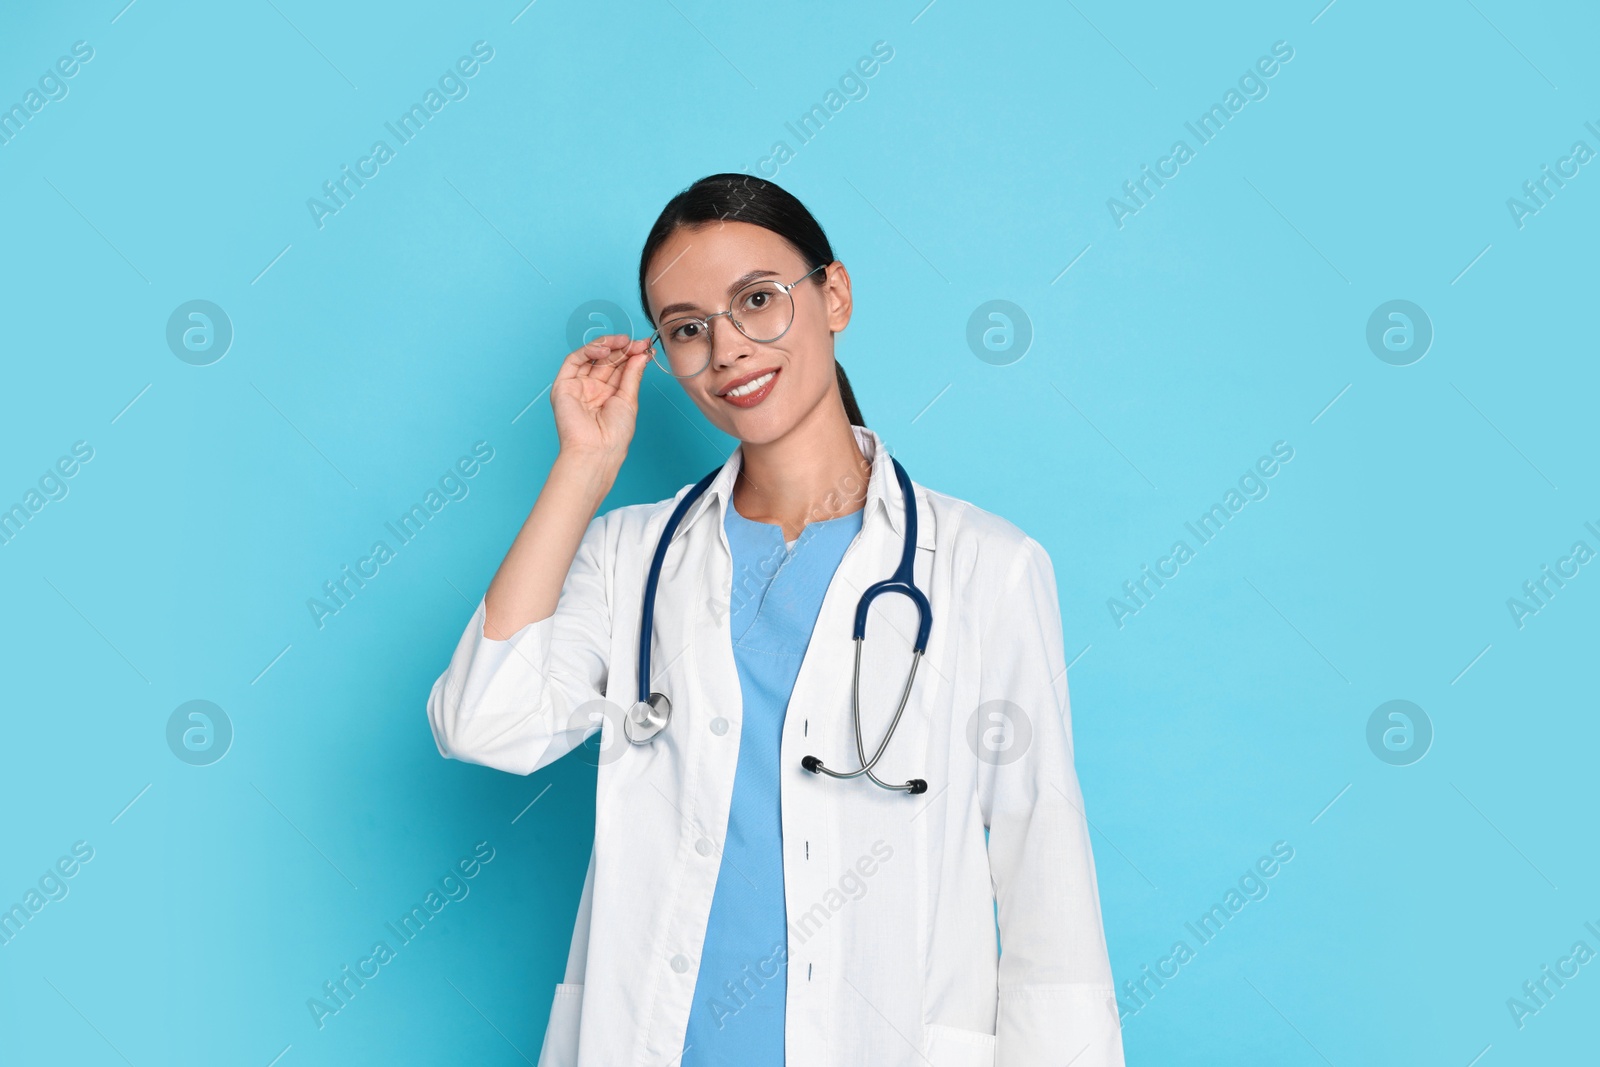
column 751, row 386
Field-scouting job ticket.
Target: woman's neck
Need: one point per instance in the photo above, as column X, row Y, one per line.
column 814, row 472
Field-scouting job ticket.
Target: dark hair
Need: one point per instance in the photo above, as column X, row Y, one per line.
column 746, row 198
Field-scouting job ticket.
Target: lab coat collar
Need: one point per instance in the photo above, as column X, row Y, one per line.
column 883, row 490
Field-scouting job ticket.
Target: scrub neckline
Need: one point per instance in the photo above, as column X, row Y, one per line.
column 734, row 510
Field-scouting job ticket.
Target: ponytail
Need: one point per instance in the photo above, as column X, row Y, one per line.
column 849, row 397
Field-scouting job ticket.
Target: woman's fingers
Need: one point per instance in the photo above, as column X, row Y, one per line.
column 593, row 360
column 628, row 387
column 605, row 360
column 625, row 356
column 598, row 348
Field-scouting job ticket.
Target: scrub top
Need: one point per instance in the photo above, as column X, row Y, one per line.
column 737, row 1015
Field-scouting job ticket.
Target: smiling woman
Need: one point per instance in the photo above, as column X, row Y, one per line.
column 717, row 826
column 715, row 230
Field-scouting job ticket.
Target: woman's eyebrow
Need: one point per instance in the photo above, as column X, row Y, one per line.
column 733, row 287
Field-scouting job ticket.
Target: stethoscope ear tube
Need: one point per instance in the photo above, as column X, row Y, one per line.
column 904, row 578
column 903, row 581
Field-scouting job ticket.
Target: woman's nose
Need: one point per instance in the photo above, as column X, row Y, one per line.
column 727, row 343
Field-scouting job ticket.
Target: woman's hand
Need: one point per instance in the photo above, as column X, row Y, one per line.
column 596, row 396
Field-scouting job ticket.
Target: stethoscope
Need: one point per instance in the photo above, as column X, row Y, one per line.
column 650, row 715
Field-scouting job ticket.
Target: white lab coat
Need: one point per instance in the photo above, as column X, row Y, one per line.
column 891, row 897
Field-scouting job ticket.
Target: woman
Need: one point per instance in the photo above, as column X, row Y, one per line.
column 742, row 904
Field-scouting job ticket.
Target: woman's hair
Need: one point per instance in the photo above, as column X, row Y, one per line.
column 746, row 198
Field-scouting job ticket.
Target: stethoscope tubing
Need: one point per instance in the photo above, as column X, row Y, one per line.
column 654, row 579
column 653, row 711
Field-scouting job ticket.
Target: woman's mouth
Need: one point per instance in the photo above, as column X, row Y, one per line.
column 752, row 392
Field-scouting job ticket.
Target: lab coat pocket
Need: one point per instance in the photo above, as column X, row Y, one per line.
column 951, row 1046
column 560, row 1047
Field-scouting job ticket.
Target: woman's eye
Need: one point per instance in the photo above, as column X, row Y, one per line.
column 685, row 332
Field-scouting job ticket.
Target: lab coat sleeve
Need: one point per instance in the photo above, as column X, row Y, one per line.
column 521, row 703
column 1057, row 1003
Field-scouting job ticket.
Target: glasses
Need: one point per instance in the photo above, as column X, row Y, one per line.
column 763, row 311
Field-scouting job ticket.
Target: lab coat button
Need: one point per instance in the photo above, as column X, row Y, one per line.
column 719, row 726
column 680, row 963
column 703, row 846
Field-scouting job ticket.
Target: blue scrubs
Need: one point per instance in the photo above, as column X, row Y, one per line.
column 737, row 1014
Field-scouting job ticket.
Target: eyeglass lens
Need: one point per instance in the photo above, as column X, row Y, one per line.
column 762, row 311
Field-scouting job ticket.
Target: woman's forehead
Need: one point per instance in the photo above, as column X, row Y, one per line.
column 698, row 263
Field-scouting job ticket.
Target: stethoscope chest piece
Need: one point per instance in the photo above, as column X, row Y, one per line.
column 647, row 718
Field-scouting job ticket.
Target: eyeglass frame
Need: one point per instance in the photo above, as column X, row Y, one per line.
column 787, row 290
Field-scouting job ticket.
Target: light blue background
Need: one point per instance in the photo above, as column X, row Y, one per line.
column 430, row 313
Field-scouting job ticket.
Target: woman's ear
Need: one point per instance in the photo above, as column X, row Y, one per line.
column 837, row 293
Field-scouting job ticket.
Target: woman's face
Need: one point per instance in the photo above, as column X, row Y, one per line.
column 696, row 272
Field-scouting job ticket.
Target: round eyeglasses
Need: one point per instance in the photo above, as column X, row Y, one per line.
column 763, row 311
